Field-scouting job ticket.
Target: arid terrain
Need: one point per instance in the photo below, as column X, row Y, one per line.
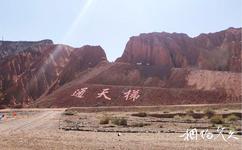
column 159, row 127
column 162, row 68
column 162, row 91
column 121, row 75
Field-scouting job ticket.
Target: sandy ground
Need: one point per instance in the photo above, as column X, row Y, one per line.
column 40, row 131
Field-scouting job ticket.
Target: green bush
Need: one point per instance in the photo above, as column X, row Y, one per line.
column 69, row 113
column 188, row 118
column 119, row 121
column 140, row 114
column 226, row 109
column 217, row 119
column 232, row 117
column 104, row 120
column 209, row 113
column 189, row 112
column 177, row 117
column 140, row 124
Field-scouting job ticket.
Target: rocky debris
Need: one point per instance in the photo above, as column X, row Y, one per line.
column 206, row 80
column 214, row 80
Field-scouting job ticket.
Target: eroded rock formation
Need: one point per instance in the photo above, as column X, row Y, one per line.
column 30, row 69
column 214, row 51
column 167, row 68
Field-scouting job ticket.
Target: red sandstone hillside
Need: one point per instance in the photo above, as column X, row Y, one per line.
column 166, row 68
column 214, row 51
column 30, row 69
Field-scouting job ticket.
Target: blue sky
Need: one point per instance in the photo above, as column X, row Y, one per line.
column 110, row 23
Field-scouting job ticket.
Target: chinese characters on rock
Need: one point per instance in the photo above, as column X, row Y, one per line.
column 130, row 95
column 103, row 94
column 79, row 93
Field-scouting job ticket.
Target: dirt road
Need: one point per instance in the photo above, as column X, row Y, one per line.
column 40, row 131
column 43, row 120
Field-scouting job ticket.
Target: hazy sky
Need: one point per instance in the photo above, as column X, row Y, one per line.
column 110, row 23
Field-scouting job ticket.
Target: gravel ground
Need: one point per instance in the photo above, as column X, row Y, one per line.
column 40, row 131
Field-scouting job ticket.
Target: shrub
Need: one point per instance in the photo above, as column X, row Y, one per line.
column 177, row 117
column 232, row 118
column 233, row 128
column 209, row 113
column 104, row 120
column 140, row 114
column 69, row 113
column 189, row 112
column 119, row 121
column 140, row 124
column 217, row 119
column 188, row 118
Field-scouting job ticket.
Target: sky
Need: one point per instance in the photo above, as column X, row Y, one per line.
column 110, row 23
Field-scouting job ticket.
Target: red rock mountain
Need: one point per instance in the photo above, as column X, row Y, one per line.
column 167, row 68
column 214, row 51
column 30, row 69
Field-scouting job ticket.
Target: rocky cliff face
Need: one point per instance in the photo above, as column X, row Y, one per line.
column 167, row 68
column 80, row 60
column 214, row 51
column 8, row 48
column 29, row 69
